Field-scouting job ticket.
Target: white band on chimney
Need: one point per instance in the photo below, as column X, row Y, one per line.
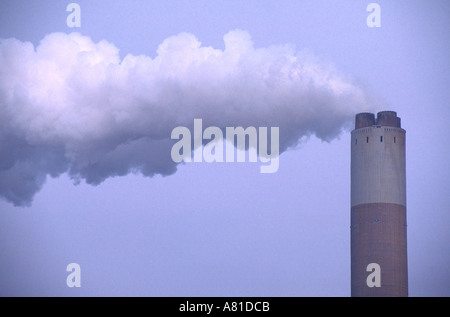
column 378, row 165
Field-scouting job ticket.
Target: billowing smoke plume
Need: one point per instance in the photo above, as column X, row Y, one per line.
column 72, row 105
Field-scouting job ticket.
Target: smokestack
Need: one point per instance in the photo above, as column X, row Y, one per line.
column 378, row 206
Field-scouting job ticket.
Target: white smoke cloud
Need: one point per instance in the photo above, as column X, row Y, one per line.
column 72, row 105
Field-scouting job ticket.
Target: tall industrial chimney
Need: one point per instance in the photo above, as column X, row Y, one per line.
column 378, row 206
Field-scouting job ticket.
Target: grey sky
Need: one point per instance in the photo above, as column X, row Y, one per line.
column 225, row 229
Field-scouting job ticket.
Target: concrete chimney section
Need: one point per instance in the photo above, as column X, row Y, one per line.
column 378, row 205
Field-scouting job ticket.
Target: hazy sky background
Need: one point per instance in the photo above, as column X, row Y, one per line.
column 225, row 229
